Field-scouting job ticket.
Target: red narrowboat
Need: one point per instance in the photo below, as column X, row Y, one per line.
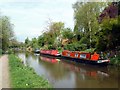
column 84, row 57
column 50, row 52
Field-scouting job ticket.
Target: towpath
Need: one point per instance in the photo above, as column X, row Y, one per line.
column 4, row 72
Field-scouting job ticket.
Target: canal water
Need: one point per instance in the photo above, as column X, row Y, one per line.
column 66, row 74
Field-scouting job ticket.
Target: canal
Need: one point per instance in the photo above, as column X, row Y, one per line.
column 66, row 74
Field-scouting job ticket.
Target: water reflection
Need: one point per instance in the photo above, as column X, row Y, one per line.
column 66, row 74
column 52, row 60
column 84, row 70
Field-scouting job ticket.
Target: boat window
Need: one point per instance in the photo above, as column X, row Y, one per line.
column 68, row 54
column 82, row 55
column 76, row 55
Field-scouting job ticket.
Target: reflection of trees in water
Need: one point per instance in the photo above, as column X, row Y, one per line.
column 26, row 54
column 114, row 71
column 102, row 78
column 29, row 57
column 56, row 70
column 88, row 76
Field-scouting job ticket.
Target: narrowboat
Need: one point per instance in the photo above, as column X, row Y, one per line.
column 50, row 53
column 84, row 57
column 36, row 51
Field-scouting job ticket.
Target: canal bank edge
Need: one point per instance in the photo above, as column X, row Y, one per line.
column 23, row 76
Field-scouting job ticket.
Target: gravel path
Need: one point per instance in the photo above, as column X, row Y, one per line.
column 4, row 72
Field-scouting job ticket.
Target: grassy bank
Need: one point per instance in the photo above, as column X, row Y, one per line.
column 115, row 61
column 23, row 76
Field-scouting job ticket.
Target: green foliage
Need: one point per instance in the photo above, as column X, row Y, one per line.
column 23, row 76
column 115, row 60
column 10, row 51
column 67, row 33
column 108, row 23
column 86, row 23
column 34, row 43
column 51, row 47
column 69, row 47
column 41, row 41
column 87, row 33
column 50, row 39
column 27, row 41
column 6, row 32
column 89, row 50
column 59, row 49
column 108, row 35
column 75, row 47
column 0, row 51
column 84, row 40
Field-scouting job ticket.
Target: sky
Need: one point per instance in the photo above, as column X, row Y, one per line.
column 30, row 17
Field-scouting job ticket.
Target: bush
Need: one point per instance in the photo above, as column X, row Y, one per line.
column 51, row 47
column 75, row 47
column 0, row 51
column 10, row 51
column 69, row 47
column 59, row 49
column 115, row 60
column 90, row 50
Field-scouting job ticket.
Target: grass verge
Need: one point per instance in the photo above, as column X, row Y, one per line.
column 23, row 76
column 115, row 61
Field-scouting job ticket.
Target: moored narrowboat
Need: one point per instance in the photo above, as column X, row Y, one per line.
column 36, row 51
column 85, row 57
column 50, row 52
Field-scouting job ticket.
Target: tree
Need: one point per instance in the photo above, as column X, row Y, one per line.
column 86, row 23
column 6, row 32
column 109, row 28
column 34, row 43
column 0, row 32
column 41, row 42
column 67, row 34
column 109, row 33
column 27, row 42
column 52, row 35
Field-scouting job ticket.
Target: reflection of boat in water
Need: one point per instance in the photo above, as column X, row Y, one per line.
column 87, row 70
column 48, row 59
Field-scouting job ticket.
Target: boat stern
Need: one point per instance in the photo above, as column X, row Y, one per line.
column 104, row 61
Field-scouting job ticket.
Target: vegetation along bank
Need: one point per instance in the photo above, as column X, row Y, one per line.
column 23, row 76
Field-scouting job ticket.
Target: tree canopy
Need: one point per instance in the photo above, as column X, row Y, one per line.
column 6, row 32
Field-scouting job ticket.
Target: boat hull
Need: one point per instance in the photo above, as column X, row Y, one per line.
column 54, row 53
column 78, row 60
column 45, row 54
